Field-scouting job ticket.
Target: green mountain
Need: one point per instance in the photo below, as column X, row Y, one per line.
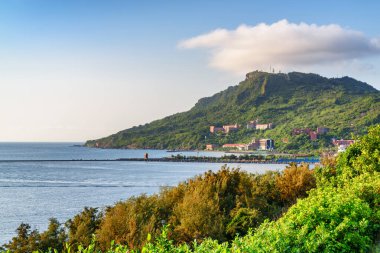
column 294, row 100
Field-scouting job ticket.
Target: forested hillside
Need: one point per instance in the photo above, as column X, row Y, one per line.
column 294, row 100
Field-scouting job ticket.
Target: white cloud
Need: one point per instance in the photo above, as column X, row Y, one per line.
column 282, row 45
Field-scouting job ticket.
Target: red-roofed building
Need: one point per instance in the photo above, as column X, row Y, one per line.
column 229, row 128
column 225, row 129
column 214, row 129
column 342, row 144
column 312, row 134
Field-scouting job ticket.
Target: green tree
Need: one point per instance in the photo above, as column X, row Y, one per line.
column 54, row 237
column 82, row 227
column 331, row 219
column 129, row 222
column 362, row 156
column 26, row 240
column 198, row 214
column 294, row 182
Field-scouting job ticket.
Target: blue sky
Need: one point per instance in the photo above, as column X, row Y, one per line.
column 74, row 70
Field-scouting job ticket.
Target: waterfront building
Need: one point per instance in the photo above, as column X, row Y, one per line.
column 266, row 144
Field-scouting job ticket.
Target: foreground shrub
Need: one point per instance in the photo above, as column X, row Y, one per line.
column 295, row 182
column 330, row 220
column 341, row 215
column 216, row 204
column 361, row 157
column 28, row 240
column 129, row 222
column 82, row 227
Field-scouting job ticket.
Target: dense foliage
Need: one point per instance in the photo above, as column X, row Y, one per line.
column 293, row 100
column 341, row 215
column 215, row 205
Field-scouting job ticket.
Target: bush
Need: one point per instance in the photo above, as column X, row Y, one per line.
column 82, row 227
column 295, row 182
column 362, row 156
column 330, row 220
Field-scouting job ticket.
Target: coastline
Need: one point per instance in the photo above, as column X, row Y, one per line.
column 179, row 160
column 239, row 152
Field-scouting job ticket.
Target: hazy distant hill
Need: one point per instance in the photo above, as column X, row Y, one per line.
column 293, row 100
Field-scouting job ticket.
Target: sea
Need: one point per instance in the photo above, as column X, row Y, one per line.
column 33, row 191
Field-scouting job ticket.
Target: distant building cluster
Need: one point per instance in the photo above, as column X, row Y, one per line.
column 254, row 124
column 313, row 134
column 268, row 144
column 255, row 144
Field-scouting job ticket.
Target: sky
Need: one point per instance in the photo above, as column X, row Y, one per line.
column 74, row 70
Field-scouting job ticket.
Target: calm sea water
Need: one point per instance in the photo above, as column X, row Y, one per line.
column 33, row 192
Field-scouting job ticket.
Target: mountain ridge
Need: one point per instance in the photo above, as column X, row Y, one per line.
column 289, row 100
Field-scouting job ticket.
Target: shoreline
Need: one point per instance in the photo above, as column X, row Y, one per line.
column 194, row 160
column 238, row 152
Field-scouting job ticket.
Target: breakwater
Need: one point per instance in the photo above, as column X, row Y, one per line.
column 170, row 159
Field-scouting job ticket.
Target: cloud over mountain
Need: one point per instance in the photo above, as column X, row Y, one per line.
column 282, row 45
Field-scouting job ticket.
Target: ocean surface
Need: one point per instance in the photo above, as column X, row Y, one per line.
column 33, row 192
